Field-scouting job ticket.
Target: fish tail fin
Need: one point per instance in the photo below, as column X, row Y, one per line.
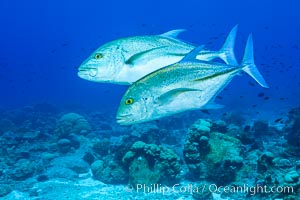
column 226, row 53
column 249, row 66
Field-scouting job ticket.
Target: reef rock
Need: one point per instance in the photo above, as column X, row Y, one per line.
column 102, row 147
column 72, row 123
column 200, row 192
column 148, row 133
column 293, row 137
column 224, row 158
column 5, row 189
column 150, row 164
column 291, row 177
column 109, row 171
column 73, row 163
column 260, row 128
column 264, row 162
column 61, row 172
column 23, row 170
column 196, row 146
column 211, row 155
column 6, row 125
column 64, row 145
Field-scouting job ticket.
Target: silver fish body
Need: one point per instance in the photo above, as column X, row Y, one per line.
column 174, row 89
column 187, row 85
column 126, row 60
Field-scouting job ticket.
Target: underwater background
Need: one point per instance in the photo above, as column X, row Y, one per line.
column 51, row 119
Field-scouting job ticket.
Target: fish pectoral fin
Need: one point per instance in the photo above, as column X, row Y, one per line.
column 169, row 96
column 142, row 56
column 173, row 33
column 211, row 105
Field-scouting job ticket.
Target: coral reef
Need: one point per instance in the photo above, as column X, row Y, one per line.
column 291, row 177
column 5, row 189
column 196, row 146
column 264, row 162
column 72, row 123
column 23, row 170
column 234, row 118
column 101, row 147
column 40, row 151
column 6, row 125
column 224, row 159
column 149, row 163
column 64, row 145
column 293, row 129
column 109, row 171
column 211, row 155
column 260, row 128
column 148, row 133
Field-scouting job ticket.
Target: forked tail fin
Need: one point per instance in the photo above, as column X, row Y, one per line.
column 226, row 53
column 249, row 66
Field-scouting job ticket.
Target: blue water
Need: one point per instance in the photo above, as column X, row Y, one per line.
column 43, row 43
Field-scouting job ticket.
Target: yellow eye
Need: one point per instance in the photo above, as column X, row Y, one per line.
column 98, row 56
column 129, row 101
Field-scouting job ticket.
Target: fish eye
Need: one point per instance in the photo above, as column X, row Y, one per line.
column 129, row 101
column 98, row 56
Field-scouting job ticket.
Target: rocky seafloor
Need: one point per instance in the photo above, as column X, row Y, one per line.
column 49, row 153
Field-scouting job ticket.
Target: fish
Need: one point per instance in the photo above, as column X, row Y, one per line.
column 124, row 61
column 186, row 85
column 261, row 94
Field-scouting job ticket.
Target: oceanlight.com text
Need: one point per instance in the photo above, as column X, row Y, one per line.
column 212, row 188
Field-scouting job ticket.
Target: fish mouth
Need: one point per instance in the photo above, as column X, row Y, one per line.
column 83, row 74
column 83, row 69
column 124, row 119
column 88, row 71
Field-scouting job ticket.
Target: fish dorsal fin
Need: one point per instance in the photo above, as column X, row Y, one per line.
column 169, row 96
column 139, row 57
column 191, row 56
column 173, row 33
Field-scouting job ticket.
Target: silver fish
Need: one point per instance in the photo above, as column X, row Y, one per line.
column 187, row 85
column 126, row 60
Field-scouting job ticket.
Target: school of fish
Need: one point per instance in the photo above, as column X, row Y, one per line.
column 166, row 75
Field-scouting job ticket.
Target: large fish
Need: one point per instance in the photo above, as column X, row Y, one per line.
column 187, row 85
column 126, row 60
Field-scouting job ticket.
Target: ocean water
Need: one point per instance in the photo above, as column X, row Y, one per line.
column 44, row 42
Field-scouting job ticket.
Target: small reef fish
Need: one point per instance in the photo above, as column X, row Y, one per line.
column 126, row 60
column 187, row 85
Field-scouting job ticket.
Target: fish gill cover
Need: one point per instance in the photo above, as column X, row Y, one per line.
column 58, row 132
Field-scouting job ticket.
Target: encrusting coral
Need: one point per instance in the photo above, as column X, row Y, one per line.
column 72, row 123
column 150, row 164
column 211, row 155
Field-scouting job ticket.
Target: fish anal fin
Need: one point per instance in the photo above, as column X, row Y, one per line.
column 211, row 105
